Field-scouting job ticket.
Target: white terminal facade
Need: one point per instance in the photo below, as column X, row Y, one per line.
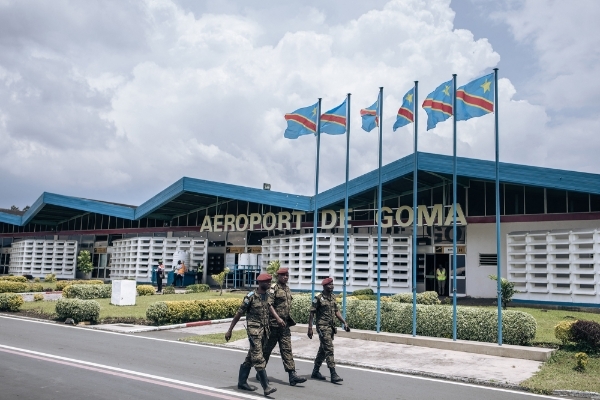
column 550, row 232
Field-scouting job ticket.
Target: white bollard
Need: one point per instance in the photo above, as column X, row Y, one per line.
column 123, row 293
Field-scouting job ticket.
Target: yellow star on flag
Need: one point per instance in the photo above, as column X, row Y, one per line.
column 409, row 97
column 314, row 112
column 486, row 86
column 446, row 90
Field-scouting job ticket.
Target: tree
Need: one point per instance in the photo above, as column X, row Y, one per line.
column 220, row 279
column 84, row 262
column 14, row 208
column 507, row 290
column 26, row 208
column 272, row 268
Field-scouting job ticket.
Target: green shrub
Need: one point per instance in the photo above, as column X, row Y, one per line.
column 476, row 324
column 11, row 278
column 172, row 312
column 562, row 331
column 36, row 280
column 79, row 310
column 361, row 292
column 199, row 288
column 145, row 290
column 582, row 360
column 586, row 334
column 87, row 291
column 168, row 290
column 38, row 297
column 10, row 302
column 507, row 289
column 60, row 285
column 13, row 287
column 427, row 298
column 50, row 278
column 35, row 287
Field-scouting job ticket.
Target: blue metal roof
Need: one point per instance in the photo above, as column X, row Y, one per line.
column 52, row 204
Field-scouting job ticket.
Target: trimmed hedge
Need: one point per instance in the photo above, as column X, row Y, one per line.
column 562, row 331
column 50, row 278
column 35, row 287
column 10, row 302
column 13, row 287
column 60, row 285
column 427, row 298
column 14, row 279
column 199, row 288
column 38, row 297
column 586, row 333
column 145, row 290
column 476, row 324
column 168, row 290
column 362, row 292
column 79, row 310
column 87, row 291
column 172, row 312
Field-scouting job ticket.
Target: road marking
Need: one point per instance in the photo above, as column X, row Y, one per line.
column 129, row 374
column 297, row 360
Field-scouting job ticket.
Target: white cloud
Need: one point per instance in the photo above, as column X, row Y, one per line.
column 204, row 96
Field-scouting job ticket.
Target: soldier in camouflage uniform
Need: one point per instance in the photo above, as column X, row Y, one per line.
column 326, row 310
column 282, row 302
column 257, row 305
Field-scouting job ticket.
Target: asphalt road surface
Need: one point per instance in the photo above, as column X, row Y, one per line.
column 40, row 360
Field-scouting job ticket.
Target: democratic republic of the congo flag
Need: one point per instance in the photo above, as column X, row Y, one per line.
column 406, row 111
column 438, row 104
column 333, row 121
column 370, row 117
column 303, row 121
column 475, row 99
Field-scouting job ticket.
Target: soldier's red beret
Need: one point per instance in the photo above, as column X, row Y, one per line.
column 264, row 277
column 326, row 281
column 282, row 271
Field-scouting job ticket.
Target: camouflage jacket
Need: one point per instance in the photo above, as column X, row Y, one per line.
column 282, row 302
column 325, row 309
column 256, row 308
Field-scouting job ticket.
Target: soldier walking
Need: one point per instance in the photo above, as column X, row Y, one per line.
column 282, row 302
column 325, row 308
column 257, row 305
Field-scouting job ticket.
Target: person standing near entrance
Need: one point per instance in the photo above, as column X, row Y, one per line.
column 179, row 273
column 258, row 306
column 325, row 308
column 441, row 280
column 160, row 274
column 282, row 303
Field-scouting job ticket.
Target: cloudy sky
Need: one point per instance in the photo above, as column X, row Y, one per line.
column 116, row 100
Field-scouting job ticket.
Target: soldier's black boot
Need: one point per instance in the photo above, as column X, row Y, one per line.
column 335, row 378
column 316, row 374
column 294, row 379
column 258, row 378
column 243, row 377
column 264, row 382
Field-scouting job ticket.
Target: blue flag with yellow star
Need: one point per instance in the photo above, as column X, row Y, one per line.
column 406, row 111
column 475, row 99
column 370, row 117
column 333, row 121
column 438, row 104
column 301, row 122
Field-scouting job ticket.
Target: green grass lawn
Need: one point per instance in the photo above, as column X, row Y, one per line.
column 215, row 338
column 138, row 311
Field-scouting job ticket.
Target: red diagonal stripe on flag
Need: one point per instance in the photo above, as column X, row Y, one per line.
column 475, row 101
column 302, row 120
column 406, row 113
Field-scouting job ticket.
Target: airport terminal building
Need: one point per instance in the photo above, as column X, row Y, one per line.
column 550, row 227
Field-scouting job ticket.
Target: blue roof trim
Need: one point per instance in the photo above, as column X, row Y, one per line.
column 466, row 167
column 10, row 218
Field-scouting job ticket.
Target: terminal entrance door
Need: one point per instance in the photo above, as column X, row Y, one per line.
column 444, row 261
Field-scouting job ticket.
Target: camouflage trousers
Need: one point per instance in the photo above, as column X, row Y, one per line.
column 255, row 358
column 282, row 336
column 326, row 348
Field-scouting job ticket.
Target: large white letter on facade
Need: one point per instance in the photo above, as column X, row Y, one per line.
column 229, row 222
column 324, row 224
column 255, row 219
column 206, row 224
column 386, row 220
column 298, row 218
column 411, row 216
column 460, row 217
column 266, row 225
column 284, row 219
column 238, row 225
column 342, row 217
column 218, row 221
column 436, row 211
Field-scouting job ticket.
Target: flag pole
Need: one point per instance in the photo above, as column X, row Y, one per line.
column 379, row 192
column 454, row 207
column 415, row 186
column 346, row 203
column 498, row 247
column 316, row 215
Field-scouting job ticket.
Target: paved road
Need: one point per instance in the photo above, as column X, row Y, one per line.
column 41, row 360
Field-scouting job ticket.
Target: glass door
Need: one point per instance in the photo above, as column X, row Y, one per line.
column 461, row 274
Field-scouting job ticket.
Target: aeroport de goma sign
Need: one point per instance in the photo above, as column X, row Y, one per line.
column 285, row 220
